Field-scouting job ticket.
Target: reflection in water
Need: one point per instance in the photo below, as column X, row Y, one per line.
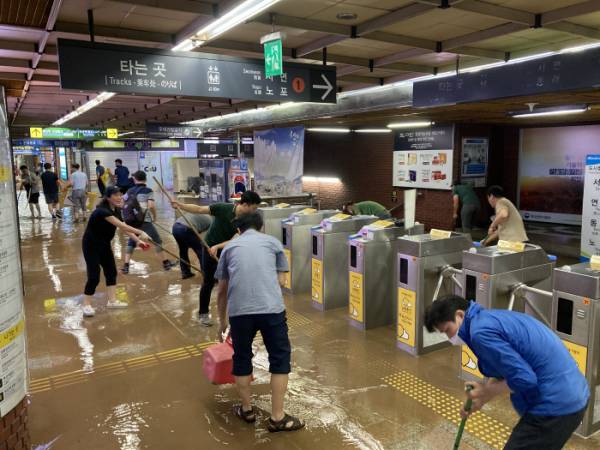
column 71, row 322
column 47, row 446
column 126, row 421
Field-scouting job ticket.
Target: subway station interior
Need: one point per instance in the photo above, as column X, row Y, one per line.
column 406, row 153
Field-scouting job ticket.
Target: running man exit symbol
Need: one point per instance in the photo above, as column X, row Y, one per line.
column 273, row 60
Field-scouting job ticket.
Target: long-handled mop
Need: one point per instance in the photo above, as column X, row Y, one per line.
column 186, row 219
column 464, row 421
column 176, row 257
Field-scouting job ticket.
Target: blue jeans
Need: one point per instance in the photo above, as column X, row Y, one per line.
column 150, row 230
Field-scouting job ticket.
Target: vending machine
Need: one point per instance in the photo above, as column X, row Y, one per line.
column 216, row 180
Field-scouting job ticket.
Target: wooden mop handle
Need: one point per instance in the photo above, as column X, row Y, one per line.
column 175, row 256
column 186, row 219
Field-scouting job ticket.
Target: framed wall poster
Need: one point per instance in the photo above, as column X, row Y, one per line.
column 423, row 157
column 474, row 153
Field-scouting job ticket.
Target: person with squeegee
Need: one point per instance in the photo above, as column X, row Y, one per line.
column 522, row 357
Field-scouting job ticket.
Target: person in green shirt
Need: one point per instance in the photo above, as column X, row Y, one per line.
column 222, row 230
column 471, row 206
column 368, row 209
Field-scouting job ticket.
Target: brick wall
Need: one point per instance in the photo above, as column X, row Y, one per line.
column 15, row 429
column 363, row 162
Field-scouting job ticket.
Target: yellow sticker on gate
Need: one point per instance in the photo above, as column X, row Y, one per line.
column 317, row 280
column 5, row 173
column 468, row 362
column 510, row 246
column 288, row 275
column 595, row 262
column 308, row 211
column 406, row 316
column 381, row 224
column 579, row 354
column 439, row 234
column 340, row 216
column 282, row 205
column 356, row 296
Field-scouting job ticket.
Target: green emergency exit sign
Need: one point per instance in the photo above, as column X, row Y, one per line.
column 273, row 58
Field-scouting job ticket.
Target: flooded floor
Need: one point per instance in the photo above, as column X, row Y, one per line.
column 132, row 379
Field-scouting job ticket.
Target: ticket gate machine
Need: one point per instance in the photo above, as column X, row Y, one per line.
column 576, row 320
column 429, row 267
column 329, row 246
column 497, row 278
column 373, row 261
column 272, row 217
column 295, row 236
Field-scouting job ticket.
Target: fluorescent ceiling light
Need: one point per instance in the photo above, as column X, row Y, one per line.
column 125, row 134
column 330, row 130
column 309, row 178
column 373, row 130
column 551, row 111
column 410, row 124
column 84, row 108
column 185, row 46
column 328, row 180
column 236, row 16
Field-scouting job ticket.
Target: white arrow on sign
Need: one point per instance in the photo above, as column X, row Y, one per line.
column 198, row 132
column 329, row 87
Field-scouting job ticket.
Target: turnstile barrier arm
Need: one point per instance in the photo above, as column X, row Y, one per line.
column 447, row 272
column 521, row 290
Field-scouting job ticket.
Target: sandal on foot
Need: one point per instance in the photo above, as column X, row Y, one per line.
column 238, row 411
column 281, row 425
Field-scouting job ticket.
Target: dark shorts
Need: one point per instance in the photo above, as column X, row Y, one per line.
column 468, row 214
column 274, row 331
column 539, row 432
column 34, row 198
column 52, row 198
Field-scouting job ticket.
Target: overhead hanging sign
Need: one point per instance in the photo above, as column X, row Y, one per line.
column 45, row 143
column 561, row 72
column 423, row 157
column 137, row 70
column 225, row 149
column 172, row 130
column 73, row 133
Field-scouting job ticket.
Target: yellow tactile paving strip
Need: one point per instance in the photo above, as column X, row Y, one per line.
column 480, row 425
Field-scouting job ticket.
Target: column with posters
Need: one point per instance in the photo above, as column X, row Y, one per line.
column 423, row 157
column 14, row 377
column 590, row 226
column 474, row 162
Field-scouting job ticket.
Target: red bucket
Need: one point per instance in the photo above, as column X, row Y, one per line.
column 218, row 363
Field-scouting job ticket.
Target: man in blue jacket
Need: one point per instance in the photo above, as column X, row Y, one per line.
column 523, row 358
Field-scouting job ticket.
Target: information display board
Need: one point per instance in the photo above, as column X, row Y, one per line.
column 590, row 223
column 423, row 157
column 14, row 377
column 474, row 161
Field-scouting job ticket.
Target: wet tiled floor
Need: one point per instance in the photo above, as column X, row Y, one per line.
column 132, row 379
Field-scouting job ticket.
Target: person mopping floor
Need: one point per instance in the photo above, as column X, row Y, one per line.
column 523, row 358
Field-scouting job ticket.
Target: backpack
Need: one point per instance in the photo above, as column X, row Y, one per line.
column 132, row 210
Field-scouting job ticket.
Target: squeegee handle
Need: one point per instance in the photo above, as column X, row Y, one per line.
column 464, row 421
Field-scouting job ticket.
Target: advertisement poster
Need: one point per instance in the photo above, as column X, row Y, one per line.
column 239, row 177
column 279, row 161
column 423, row 157
column 590, row 223
column 150, row 163
column 14, row 377
column 474, row 162
column 552, row 165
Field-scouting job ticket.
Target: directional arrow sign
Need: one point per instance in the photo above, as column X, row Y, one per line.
column 328, row 87
column 193, row 74
column 112, row 133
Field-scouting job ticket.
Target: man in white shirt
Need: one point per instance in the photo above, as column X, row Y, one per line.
column 80, row 184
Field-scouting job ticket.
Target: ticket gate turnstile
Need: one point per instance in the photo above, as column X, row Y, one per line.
column 372, row 274
column 295, row 236
column 329, row 249
column 576, row 320
column 499, row 279
column 428, row 268
column 272, row 217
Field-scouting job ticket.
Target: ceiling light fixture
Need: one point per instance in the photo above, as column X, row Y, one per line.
column 245, row 11
column 125, row 134
column 321, row 179
column 373, row 130
column 84, row 108
column 347, row 16
column 551, row 111
column 330, row 130
column 410, row 124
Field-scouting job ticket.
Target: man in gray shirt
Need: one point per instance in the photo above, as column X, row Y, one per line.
column 186, row 239
column 79, row 183
column 30, row 182
column 251, row 272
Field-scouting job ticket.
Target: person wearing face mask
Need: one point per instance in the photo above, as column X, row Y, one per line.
column 522, row 357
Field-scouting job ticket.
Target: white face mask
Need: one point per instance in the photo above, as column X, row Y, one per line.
column 456, row 340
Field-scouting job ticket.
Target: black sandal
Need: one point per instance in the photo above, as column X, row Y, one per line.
column 238, row 411
column 281, row 425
